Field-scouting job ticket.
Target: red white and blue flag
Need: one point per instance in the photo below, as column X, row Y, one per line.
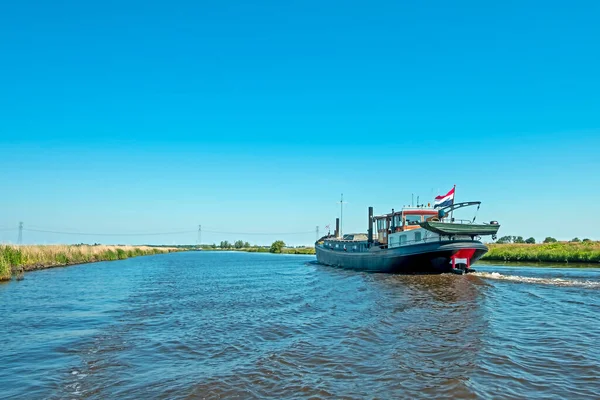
column 444, row 200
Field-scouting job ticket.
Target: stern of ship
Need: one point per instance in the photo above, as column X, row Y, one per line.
column 457, row 257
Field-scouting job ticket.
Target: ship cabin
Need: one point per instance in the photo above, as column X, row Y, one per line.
column 385, row 231
column 402, row 221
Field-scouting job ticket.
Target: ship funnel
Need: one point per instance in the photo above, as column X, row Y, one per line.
column 337, row 227
column 370, row 230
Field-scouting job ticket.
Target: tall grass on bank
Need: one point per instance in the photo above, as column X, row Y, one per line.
column 568, row 252
column 14, row 259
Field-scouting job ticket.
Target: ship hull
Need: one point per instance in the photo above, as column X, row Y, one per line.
column 425, row 258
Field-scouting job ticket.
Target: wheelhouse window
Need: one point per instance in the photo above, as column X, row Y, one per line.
column 413, row 219
column 402, row 239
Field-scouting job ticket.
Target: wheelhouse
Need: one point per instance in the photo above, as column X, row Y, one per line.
column 400, row 221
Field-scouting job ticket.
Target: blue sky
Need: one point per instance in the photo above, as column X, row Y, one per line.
column 150, row 117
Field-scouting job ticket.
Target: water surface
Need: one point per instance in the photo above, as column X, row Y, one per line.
column 247, row 325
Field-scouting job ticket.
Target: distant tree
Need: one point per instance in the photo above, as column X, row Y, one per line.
column 586, row 240
column 518, row 239
column 575, row 240
column 238, row 244
column 225, row 244
column 276, row 246
column 530, row 241
column 246, row 245
column 550, row 240
column 504, row 239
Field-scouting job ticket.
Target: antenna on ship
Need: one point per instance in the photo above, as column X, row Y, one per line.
column 341, row 214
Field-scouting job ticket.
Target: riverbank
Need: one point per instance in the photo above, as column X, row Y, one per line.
column 563, row 252
column 285, row 250
column 14, row 260
column 566, row 252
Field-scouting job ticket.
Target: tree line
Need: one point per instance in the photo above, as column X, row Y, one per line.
column 531, row 240
column 238, row 244
column 276, row 246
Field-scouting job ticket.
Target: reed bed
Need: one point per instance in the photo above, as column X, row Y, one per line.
column 566, row 252
column 17, row 259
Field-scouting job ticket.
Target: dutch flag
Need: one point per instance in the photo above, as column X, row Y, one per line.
column 444, row 200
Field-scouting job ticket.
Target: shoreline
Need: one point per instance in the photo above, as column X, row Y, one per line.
column 16, row 260
column 535, row 264
column 307, row 251
column 559, row 252
column 573, row 254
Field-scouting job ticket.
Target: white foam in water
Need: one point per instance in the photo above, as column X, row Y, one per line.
column 543, row 281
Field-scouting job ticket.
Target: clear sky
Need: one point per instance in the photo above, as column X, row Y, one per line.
column 152, row 117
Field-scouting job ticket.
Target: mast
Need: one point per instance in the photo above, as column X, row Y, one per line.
column 341, row 214
column 370, row 227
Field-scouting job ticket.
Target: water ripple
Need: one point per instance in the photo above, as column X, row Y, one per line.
column 235, row 325
column 544, row 281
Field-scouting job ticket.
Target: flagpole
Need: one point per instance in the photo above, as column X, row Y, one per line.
column 452, row 212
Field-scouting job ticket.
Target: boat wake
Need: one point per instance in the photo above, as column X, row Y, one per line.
column 542, row 281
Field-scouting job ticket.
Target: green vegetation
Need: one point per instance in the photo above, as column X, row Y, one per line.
column 283, row 250
column 5, row 265
column 512, row 239
column 298, row 250
column 256, row 249
column 240, row 244
column 16, row 259
column 277, row 246
column 549, row 251
column 550, row 240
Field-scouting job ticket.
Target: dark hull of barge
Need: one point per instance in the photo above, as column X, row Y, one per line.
column 426, row 258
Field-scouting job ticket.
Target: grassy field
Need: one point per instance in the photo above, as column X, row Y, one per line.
column 566, row 252
column 17, row 259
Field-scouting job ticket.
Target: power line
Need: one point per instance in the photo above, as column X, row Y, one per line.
column 108, row 234
column 199, row 231
column 261, row 233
